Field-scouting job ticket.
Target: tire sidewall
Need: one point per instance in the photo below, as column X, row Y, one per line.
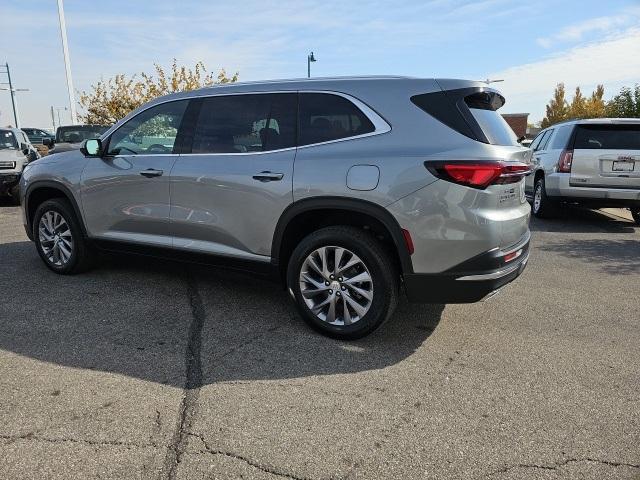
column 381, row 304
column 538, row 186
column 69, row 217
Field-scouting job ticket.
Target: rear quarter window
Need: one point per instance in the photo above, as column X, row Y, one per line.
column 561, row 139
column 607, row 137
column 473, row 112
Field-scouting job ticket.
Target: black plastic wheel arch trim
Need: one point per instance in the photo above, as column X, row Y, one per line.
column 57, row 186
column 349, row 205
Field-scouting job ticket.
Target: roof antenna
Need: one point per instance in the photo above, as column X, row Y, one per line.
column 488, row 81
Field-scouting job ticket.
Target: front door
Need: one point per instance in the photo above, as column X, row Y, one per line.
column 125, row 194
column 229, row 192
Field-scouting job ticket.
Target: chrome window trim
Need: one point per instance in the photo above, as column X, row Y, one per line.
column 381, row 126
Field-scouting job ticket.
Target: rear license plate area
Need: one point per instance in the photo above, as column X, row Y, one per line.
column 623, row 166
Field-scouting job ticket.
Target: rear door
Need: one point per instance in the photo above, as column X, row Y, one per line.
column 606, row 156
column 229, row 191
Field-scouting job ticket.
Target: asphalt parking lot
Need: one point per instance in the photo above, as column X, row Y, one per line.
column 142, row 369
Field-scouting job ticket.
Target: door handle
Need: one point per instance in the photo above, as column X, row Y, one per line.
column 151, row 172
column 268, row 176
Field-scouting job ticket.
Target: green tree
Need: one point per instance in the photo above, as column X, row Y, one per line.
column 625, row 104
column 557, row 108
column 110, row 100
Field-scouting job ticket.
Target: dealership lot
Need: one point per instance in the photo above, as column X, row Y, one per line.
column 143, row 369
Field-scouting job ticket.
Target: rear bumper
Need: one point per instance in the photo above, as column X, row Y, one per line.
column 557, row 186
column 471, row 281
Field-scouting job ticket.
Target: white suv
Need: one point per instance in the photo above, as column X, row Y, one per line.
column 594, row 163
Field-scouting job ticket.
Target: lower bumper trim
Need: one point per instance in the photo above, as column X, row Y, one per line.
column 448, row 287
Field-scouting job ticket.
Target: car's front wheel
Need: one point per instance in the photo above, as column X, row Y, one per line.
column 344, row 282
column 59, row 238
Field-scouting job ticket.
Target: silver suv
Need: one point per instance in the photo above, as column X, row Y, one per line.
column 348, row 189
column 594, row 163
column 15, row 152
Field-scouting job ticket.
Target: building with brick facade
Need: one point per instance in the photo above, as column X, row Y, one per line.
column 517, row 122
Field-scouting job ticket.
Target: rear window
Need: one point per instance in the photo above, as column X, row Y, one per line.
column 484, row 108
column 471, row 112
column 608, row 137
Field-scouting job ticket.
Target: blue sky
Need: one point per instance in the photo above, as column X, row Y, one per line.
column 531, row 44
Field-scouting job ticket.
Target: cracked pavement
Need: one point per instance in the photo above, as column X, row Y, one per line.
column 142, row 369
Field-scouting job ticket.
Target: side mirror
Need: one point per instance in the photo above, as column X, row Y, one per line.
column 25, row 148
column 48, row 142
column 91, row 147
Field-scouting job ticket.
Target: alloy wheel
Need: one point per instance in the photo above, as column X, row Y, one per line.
column 55, row 238
column 537, row 198
column 336, row 285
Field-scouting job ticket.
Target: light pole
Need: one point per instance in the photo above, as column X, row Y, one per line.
column 310, row 58
column 12, row 91
column 67, row 63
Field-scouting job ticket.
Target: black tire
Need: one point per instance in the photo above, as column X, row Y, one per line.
column 15, row 195
column 635, row 213
column 546, row 207
column 82, row 255
column 382, row 270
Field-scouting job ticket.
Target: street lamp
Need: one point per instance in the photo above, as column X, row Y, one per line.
column 13, row 91
column 14, row 102
column 310, row 58
column 67, row 63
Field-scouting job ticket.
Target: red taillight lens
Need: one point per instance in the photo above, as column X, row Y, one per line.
column 479, row 174
column 408, row 241
column 566, row 158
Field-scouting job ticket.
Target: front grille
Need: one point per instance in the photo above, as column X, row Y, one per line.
column 7, row 165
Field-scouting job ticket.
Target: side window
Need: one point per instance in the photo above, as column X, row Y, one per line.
column 324, row 117
column 545, row 140
column 561, row 139
column 151, row 132
column 246, row 123
column 536, row 141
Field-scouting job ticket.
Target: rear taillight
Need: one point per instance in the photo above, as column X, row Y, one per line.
column 566, row 158
column 479, row 174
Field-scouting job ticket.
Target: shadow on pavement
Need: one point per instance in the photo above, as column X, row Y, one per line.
column 582, row 220
column 616, row 257
column 135, row 316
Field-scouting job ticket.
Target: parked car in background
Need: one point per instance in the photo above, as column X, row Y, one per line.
column 594, row 163
column 69, row 137
column 397, row 182
column 15, row 152
column 37, row 135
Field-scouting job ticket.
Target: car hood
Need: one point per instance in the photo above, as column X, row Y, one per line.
column 66, row 147
column 57, row 156
column 6, row 154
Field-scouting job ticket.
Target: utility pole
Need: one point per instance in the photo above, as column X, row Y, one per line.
column 53, row 119
column 67, row 63
column 12, row 91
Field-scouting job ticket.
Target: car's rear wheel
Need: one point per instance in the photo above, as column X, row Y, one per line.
column 543, row 206
column 344, row 282
column 59, row 238
column 635, row 213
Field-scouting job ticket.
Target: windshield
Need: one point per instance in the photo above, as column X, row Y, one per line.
column 8, row 140
column 79, row 133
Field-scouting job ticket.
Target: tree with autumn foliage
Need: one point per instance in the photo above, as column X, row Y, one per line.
column 557, row 109
column 110, row 100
